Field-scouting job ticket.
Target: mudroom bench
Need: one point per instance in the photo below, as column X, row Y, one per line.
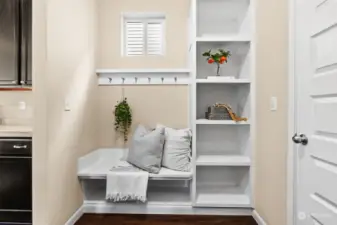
column 169, row 191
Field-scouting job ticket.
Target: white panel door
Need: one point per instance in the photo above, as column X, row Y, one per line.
column 316, row 91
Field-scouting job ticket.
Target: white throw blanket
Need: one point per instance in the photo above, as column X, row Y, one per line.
column 125, row 182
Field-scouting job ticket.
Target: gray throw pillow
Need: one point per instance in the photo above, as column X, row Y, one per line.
column 177, row 149
column 146, row 149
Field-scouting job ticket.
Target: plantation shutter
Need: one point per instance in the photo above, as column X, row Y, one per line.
column 154, row 38
column 143, row 35
column 134, row 32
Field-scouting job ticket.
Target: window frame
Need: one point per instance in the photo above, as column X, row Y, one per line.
column 144, row 18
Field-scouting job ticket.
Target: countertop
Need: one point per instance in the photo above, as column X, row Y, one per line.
column 15, row 131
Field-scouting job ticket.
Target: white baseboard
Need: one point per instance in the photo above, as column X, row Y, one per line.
column 107, row 208
column 76, row 216
column 258, row 218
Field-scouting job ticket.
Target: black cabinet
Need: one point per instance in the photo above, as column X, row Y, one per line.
column 15, row 42
column 9, row 42
column 15, row 181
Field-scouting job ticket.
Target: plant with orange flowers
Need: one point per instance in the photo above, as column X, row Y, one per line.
column 219, row 57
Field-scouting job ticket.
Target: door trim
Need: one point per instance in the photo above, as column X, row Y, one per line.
column 291, row 160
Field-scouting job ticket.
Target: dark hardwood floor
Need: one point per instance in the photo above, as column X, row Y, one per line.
column 127, row 219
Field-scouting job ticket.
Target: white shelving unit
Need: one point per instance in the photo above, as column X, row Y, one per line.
column 233, row 38
column 224, row 122
column 222, row 160
column 231, row 81
column 222, row 149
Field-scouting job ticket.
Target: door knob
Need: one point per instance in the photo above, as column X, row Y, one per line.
column 300, row 139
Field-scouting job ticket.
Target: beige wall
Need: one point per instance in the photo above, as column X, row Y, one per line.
column 9, row 107
column 40, row 142
column 271, row 143
column 150, row 105
column 65, row 70
column 110, row 33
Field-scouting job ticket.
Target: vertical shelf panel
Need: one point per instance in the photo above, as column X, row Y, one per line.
column 193, row 52
column 223, row 150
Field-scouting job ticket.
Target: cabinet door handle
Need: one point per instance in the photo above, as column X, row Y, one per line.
column 19, row 146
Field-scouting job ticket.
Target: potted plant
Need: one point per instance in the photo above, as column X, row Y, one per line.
column 123, row 118
column 220, row 57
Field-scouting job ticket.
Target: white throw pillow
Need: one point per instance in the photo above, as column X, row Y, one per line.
column 146, row 149
column 177, row 149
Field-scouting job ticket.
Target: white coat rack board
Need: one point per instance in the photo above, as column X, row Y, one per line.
column 143, row 76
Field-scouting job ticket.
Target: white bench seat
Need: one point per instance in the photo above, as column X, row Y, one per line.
column 96, row 165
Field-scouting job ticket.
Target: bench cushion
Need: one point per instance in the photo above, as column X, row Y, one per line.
column 97, row 164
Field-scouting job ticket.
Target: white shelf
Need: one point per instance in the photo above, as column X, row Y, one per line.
column 169, row 196
column 223, row 122
column 223, row 39
column 142, row 71
column 222, row 160
column 221, row 197
column 229, row 81
column 95, row 190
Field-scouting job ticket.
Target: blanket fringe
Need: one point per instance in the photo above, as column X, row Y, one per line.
column 120, row 197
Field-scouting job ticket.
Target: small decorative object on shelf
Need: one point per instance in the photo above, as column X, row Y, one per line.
column 220, row 111
column 218, row 58
column 123, row 118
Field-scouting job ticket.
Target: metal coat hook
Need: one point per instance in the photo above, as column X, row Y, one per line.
column 135, row 79
column 123, row 90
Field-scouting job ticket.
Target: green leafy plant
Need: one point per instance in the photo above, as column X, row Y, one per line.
column 218, row 58
column 123, row 118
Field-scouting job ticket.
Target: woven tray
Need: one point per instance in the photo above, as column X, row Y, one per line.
column 211, row 116
column 215, row 113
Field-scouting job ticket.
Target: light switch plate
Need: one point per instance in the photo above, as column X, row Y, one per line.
column 66, row 105
column 22, row 105
column 273, row 103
